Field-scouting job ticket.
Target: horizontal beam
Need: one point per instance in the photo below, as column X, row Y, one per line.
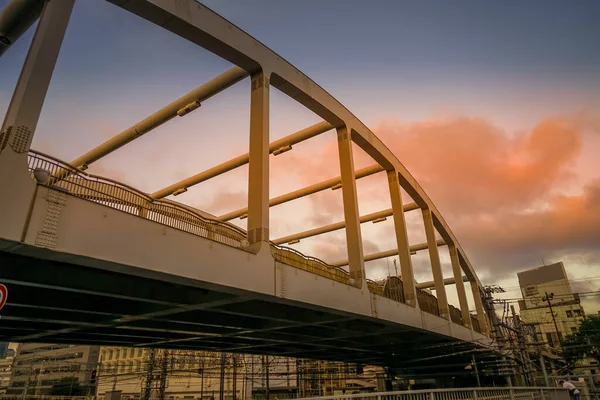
column 390, row 253
column 181, row 107
column 341, row 225
column 277, row 147
column 333, row 183
column 447, row 281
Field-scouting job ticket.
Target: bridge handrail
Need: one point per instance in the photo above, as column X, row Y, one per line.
column 128, row 199
column 479, row 393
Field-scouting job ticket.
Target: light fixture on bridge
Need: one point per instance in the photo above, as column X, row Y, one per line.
column 336, row 186
column 282, row 149
column 83, row 167
column 189, row 108
column 294, row 241
column 244, row 216
column 179, row 191
column 380, row 219
column 41, row 175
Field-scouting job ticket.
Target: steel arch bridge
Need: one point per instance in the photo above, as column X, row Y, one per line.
column 91, row 260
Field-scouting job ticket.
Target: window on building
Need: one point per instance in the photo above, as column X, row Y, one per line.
column 573, row 329
column 131, row 353
column 117, row 354
column 577, row 313
column 140, row 352
column 569, row 314
column 550, row 339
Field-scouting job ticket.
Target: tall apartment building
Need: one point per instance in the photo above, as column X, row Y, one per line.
column 37, row 368
column 549, row 302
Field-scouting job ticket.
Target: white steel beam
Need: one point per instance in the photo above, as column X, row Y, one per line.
column 447, row 281
column 317, row 187
column 277, row 147
column 181, row 107
column 390, row 253
column 356, row 264
column 340, row 225
column 436, row 265
column 258, row 164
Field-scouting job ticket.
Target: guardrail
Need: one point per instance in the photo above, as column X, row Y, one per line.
column 66, row 178
column 508, row 393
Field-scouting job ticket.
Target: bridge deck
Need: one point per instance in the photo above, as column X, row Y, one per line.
column 155, row 274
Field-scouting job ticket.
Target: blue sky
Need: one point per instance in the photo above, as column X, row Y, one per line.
column 511, row 64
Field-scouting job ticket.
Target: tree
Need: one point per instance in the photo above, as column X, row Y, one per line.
column 585, row 343
column 67, row 387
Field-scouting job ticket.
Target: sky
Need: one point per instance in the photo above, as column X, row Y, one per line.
column 493, row 106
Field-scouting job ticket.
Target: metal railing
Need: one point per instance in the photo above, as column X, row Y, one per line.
column 507, row 393
column 119, row 196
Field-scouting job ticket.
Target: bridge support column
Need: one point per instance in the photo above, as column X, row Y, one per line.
column 408, row 280
column 460, row 286
column 258, row 175
column 479, row 306
column 23, row 114
column 436, row 265
column 356, row 264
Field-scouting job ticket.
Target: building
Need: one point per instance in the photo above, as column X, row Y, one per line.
column 37, row 368
column 6, row 366
column 549, row 303
column 136, row 372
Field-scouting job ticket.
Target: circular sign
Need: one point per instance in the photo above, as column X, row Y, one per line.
column 3, row 295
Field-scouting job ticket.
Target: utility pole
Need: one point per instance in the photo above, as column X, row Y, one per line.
column 163, row 374
column 476, row 369
column 234, row 377
column 523, row 354
column 488, row 304
column 222, row 378
column 149, row 375
column 548, row 298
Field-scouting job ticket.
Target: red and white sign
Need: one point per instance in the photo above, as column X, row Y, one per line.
column 3, row 295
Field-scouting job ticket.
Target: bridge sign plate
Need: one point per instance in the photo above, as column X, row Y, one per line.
column 3, row 295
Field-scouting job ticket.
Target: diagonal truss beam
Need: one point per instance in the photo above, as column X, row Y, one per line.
column 390, row 253
column 334, row 183
column 276, row 148
column 342, row 224
column 181, row 107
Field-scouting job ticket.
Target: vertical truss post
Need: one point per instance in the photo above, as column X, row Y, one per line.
column 436, row 265
column 258, row 175
column 460, row 285
column 477, row 299
column 406, row 269
column 356, row 263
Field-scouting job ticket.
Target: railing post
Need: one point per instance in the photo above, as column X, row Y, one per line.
column 406, row 269
column 436, row 265
column 431, row 395
column 258, row 165
column 474, row 394
column 356, row 265
column 512, row 393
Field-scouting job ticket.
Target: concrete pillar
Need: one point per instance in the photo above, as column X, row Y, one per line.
column 356, row 263
column 406, row 268
column 22, row 117
column 258, row 175
column 479, row 306
column 460, row 286
column 436, row 265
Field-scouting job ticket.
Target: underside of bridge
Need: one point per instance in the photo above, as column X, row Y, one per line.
column 59, row 302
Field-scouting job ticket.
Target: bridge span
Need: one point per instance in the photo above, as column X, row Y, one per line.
column 91, row 260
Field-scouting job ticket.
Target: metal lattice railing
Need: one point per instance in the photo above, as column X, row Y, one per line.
column 506, row 393
column 119, row 196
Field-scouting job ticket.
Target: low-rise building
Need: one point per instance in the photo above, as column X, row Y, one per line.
column 37, row 368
